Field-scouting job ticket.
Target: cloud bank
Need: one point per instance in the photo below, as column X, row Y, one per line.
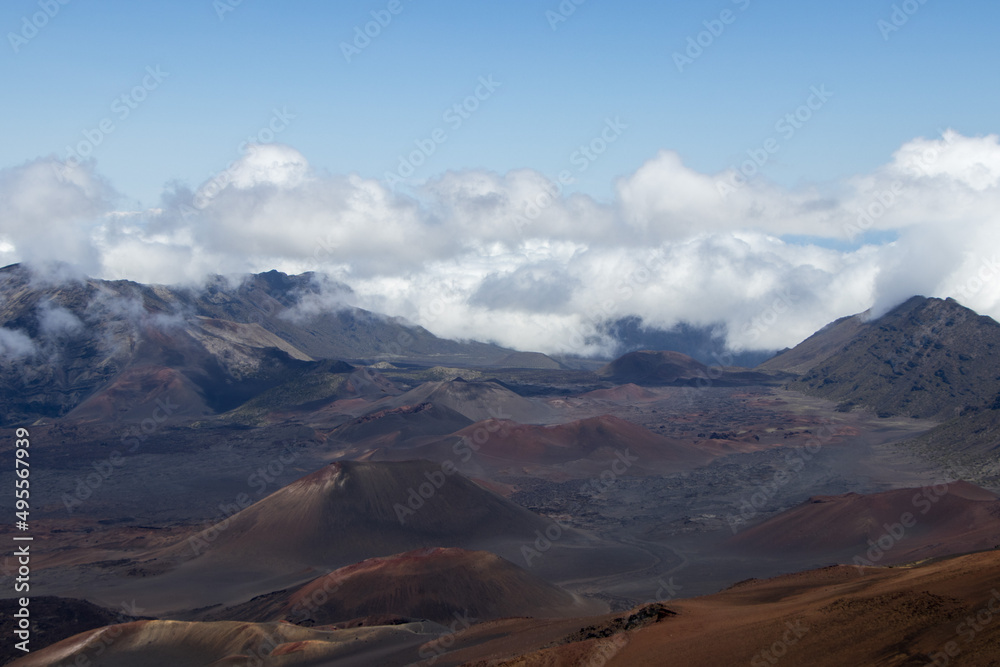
column 512, row 259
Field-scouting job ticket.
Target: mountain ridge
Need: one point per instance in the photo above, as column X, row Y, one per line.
column 65, row 342
column 926, row 358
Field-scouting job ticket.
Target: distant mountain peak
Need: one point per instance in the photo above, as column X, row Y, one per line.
column 229, row 341
column 652, row 365
column 927, row 357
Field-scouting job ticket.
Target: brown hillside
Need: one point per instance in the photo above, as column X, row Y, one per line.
column 946, row 519
column 432, row 584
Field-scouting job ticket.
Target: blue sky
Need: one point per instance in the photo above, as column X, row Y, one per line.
column 811, row 160
column 558, row 86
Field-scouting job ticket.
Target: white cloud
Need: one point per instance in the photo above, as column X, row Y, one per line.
column 505, row 257
column 270, row 164
column 15, row 344
column 47, row 209
column 327, row 296
column 55, row 321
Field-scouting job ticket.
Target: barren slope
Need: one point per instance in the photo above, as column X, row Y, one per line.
column 911, row 524
column 431, row 584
